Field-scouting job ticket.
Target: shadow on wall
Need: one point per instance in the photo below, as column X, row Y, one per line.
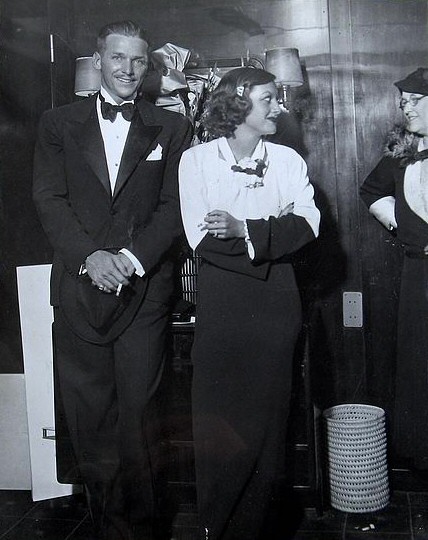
column 320, row 271
column 22, row 240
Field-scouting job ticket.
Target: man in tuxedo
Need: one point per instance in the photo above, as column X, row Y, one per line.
column 105, row 186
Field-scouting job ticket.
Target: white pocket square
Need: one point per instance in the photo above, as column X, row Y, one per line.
column 156, row 154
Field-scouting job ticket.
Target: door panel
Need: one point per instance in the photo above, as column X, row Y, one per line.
column 36, row 326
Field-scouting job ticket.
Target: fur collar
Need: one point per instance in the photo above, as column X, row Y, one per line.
column 403, row 145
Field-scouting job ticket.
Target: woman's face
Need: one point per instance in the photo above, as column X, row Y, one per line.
column 415, row 109
column 265, row 110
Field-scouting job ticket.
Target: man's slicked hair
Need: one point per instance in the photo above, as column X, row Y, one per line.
column 123, row 28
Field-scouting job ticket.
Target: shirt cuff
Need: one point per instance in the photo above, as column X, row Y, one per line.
column 139, row 270
column 250, row 247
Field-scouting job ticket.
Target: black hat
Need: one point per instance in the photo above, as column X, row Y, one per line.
column 416, row 82
column 96, row 316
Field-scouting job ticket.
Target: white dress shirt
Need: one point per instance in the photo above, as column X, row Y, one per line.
column 114, row 135
column 416, row 186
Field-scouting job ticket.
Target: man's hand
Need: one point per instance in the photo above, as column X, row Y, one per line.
column 109, row 271
column 221, row 224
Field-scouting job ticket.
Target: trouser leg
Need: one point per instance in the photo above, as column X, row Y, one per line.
column 138, row 375
column 86, row 377
column 106, row 391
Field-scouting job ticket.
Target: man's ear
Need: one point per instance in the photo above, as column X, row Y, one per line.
column 96, row 60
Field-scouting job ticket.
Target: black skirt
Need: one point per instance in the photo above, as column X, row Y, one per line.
column 411, row 400
column 245, row 337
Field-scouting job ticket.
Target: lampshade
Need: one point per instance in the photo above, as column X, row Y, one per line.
column 285, row 65
column 87, row 79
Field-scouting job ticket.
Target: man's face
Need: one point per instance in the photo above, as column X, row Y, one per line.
column 415, row 109
column 123, row 63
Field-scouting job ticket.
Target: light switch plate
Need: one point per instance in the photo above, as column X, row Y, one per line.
column 352, row 309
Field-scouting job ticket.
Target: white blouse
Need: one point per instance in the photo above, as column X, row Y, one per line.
column 416, row 186
column 207, row 182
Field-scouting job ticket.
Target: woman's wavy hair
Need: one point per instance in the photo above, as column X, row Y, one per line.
column 230, row 104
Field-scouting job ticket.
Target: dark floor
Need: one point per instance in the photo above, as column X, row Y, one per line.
column 405, row 518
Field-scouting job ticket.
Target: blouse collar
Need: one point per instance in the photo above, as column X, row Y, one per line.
column 225, row 152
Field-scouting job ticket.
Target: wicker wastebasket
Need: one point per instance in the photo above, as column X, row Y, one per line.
column 357, row 457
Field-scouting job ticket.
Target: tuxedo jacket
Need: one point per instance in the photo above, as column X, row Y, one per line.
column 80, row 215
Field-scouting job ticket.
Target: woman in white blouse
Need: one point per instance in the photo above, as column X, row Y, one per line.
column 247, row 205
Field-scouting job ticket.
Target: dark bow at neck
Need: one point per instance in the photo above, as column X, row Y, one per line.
column 109, row 111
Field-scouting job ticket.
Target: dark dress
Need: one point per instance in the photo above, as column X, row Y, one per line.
column 248, row 320
column 247, row 327
column 411, row 404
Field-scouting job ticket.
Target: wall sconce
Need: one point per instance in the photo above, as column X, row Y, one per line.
column 285, row 65
column 87, row 80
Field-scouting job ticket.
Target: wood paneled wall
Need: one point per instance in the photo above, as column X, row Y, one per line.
column 24, row 94
column 352, row 51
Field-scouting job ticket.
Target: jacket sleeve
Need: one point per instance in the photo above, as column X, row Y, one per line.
column 50, row 193
column 231, row 255
column 380, row 182
column 277, row 237
column 151, row 243
column 378, row 192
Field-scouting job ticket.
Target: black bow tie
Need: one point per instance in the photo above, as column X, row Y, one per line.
column 109, row 111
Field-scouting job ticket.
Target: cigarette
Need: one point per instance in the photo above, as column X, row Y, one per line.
column 119, row 288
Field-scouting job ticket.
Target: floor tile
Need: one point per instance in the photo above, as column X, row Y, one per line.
column 392, row 519
column 420, row 522
column 319, row 535
column 66, row 518
column 399, row 498
column 377, row 536
column 71, row 507
column 185, row 534
column 331, row 521
column 48, row 529
column 15, row 503
column 6, row 523
column 185, row 526
column 418, row 499
column 185, row 519
column 83, row 531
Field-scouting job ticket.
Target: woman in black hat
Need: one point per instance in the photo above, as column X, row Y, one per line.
column 396, row 193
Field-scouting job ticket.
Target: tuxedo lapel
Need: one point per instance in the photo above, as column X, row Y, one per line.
column 87, row 135
column 138, row 142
